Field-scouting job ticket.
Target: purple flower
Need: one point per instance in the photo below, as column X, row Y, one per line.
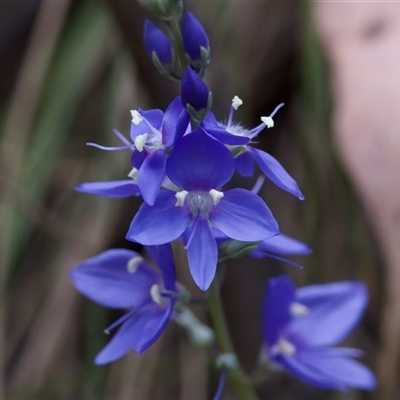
column 200, row 166
column 234, row 134
column 157, row 43
column 152, row 133
column 195, row 40
column 119, row 278
column 301, row 326
column 281, row 245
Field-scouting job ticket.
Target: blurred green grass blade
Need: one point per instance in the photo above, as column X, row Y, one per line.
column 77, row 63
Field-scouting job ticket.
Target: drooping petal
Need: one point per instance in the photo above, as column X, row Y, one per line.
column 131, row 333
column 170, row 121
column 154, row 328
column 163, row 257
column 308, row 374
column 343, row 370
column 114, row 189
column 242, row 215
column 283, row 245
column 151, row 175
column 245, row 164
column 280, row 294
column 275, row 172
column 202, row 253
column 198, row 162
column 161, row 223
column 105, row 279
column 334, row 311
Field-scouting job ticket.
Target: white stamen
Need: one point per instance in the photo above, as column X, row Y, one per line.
column 268, row 121
column 136, row 117
column 285, row 347
column 140, row 141
column 133, row 264
column 133, row 174
column 155, row 294
column 216, row 196
column 298, row 310
column 106, row 331
column 180, row 198
column 236, row 102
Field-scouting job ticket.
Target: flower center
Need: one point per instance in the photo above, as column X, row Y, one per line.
column 200, row 203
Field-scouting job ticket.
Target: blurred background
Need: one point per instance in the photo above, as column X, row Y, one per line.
column 70, row 71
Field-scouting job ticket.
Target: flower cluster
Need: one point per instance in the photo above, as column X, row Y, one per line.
column 181, row 162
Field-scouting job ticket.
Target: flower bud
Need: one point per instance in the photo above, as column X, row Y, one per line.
column 195, row 42
column 195, row 95
column 157, row 44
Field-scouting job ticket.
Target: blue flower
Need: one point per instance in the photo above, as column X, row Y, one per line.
column 234, row 134
column 200, row 166
column 157, row 42
column 153, row 133
column 119, row 278
column 301, row 326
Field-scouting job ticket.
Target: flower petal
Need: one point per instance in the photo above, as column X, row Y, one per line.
column 114, row 189
column 105, row 279
column 198, row 162
column 345, row 371
column 139, row 332
column 170, row 121
column 245, row 164
column 163, row 257
column 308, row 374
column 280, row 294
column 284, row 246
column 242, row 215
column 161, row 223
column 151, row 175
column 334, row 310
column 202, row 253
column 154, row 116
column 275, row 172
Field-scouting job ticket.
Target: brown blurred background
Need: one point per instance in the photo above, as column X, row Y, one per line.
column 70, row 71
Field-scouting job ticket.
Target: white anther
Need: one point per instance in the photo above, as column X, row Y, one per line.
column 180, row 198
column 136, row 117
column 236, row 102
column 133, row 174
column 298, row 310
column 140, row 141
column 133, row 264
column 285, row 347
column 268, row 121
column 155, row 294
column 216, row 196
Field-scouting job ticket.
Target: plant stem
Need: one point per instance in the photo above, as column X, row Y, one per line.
column 236, row 377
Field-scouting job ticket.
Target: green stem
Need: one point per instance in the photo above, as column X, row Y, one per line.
column 236, row 377
column 175, row 32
